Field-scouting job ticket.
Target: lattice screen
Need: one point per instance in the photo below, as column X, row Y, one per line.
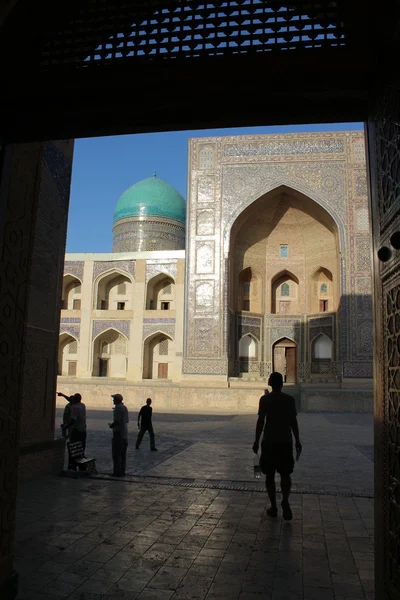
column 78, row 289
column 167, row 289
column 121, row 289
column 73, row 347
column 163, row 347
column 104, row 31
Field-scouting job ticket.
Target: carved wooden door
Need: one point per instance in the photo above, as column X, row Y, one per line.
column 290, row 365
column 384, row 161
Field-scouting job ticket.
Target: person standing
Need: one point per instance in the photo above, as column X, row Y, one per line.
column 66, row 413
column 145, row 424
column 76, row 426
column 278, row 412
column 120, row 435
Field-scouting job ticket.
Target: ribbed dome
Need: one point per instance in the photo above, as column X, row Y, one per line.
column 151, row 196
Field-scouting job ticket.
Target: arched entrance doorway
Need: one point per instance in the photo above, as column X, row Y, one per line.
column 284, row 353
column 158, row 353
column 67, row 355
column 110, row 357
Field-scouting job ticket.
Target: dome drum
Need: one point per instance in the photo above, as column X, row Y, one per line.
column 147, row 235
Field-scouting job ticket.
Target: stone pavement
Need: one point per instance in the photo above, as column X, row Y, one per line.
column 86, row 539
column 337, row 450
column 190, row 523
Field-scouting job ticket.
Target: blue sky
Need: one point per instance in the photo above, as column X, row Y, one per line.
column 104, row 168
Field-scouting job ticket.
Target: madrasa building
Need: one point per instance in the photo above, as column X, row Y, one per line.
column 266, row 267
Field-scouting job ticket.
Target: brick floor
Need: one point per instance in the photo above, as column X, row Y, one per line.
column 88, row 539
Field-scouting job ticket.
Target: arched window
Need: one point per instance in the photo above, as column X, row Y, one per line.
column 160, row 293
column 285, row 289
column 321, row 296
column 322, row 348
column 285, row 293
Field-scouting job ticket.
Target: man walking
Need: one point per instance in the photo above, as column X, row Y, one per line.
column 145, row 424
column 278, row 412
column 120, row 435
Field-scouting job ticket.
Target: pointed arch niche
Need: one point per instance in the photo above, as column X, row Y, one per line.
column 114, row 291
column 67, row 355
column 322, row 293
column 158, row 356
column 160, row 293
column 71, row 293
column 283, row 219
column 110, row 354
column 249, row 291
column 285, row 294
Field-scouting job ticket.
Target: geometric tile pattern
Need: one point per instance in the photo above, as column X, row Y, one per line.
column 74, row 268
column 100, row 326
column 392, row 432
column 101, row 266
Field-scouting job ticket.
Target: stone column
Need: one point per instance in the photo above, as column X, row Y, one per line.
column 85, row 354
column 135, row 360
column 34, row 193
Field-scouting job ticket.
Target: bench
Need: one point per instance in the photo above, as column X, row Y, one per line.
column 77, row 456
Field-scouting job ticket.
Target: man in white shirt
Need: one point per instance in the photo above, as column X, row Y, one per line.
column 120, row 435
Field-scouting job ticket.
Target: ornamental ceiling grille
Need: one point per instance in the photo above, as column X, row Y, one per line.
column 105, row 31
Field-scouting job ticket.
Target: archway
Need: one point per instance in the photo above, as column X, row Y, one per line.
column 248, row 291
column 248, row 354
column 160, row 293
column 110, row 355
column 67, row 355
column 285, row 359
column 114, row 291
column 322, row 296
column 71, row 293
column 284, row 293
column 158, row 356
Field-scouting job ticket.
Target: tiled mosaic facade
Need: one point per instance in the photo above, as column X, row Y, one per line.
column 139, row 235
column 121, row 326
column 122, row 265
column 226, row 176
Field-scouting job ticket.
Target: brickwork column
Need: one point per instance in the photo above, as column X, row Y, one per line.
column 34, row 194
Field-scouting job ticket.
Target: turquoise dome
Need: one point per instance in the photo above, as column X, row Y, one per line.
column 151, row 196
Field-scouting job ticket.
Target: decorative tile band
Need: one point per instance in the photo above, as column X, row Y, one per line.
column 71, row 329
column 70, row 320
column 358, row 369
column 204, row 366
column 121, row 326
column 123, row 265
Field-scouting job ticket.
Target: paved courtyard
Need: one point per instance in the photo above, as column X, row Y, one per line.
column 337, row 449
column 180, row 528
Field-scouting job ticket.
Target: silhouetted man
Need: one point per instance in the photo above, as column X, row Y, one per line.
column 120, row 435
column 76, row 426
column 145, row 424
column 278, row 412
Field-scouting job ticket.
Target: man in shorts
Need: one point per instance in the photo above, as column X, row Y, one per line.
column 278, row 417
